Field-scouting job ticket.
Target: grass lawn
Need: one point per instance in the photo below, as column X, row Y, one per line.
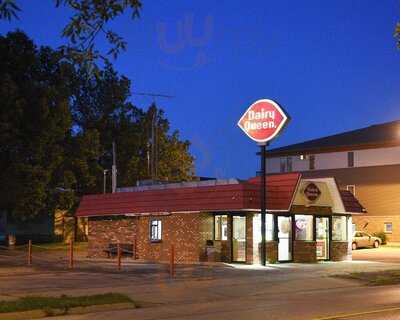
column 62, row 302
column 78, row 246
column 377, row 278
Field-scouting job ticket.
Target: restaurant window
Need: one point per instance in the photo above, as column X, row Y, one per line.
column 339, row 228
column 312, row 162
column 352, row 189
column 289, row 164
column 388, row 227
column 269, row 233
column 350, row 159
column 269, row 227
column 304, row 227
column 286, row 164
column 221, row 227
column 283, row 165
column 155, row 230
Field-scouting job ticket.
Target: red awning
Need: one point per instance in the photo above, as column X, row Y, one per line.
column 230, row 197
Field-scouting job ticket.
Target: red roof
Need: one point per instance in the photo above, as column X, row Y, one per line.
column 281, row 190
column 350, row 202
column 229, row 197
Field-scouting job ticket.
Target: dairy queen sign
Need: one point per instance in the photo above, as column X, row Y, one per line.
column 262, row 122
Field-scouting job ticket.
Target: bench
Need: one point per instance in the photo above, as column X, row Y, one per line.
column 126, row 249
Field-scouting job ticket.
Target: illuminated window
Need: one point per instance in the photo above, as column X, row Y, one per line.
column 221, row 227
column 155, row 230
column 339, row 228
column 304, row 227
column 388, row 227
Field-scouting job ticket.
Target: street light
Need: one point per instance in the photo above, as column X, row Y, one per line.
column 104, row 180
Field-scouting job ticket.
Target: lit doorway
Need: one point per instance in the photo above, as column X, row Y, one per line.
column 322, row 237
column 239, row 238
column 284, row 238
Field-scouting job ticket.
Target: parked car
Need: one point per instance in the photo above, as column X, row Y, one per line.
column 362, row 240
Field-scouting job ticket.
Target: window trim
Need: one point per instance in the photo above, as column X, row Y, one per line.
column 351, row 186
column 159, row 226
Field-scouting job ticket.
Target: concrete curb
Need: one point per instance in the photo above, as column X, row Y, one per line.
column 38, row 314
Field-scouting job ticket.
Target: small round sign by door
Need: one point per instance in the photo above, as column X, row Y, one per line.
column 312, row 192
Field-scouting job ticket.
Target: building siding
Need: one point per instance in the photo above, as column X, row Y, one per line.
column 339, row 160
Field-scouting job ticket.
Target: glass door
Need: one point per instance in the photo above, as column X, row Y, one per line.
column 239, row 239
column 322, row 237
column 284, row 238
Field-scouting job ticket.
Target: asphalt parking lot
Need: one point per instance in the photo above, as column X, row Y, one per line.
column 383, row 254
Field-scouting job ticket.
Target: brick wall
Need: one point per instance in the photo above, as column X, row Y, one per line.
column 372, row 224
column 103, row 231
column 272, row 251
column 186, row 231
column 304, row 251
column 340, row 251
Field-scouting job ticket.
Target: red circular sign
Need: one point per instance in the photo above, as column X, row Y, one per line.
column 263, row 120
column 312, row 192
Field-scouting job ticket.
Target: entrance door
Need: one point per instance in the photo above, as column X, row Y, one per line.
column 322, row 235
column 284, row 238
column 239, row 238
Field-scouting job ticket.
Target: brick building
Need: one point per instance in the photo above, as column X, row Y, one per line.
column 365, row 162
column 219, row 220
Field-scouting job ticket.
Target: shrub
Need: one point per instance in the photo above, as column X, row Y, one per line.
column 381, row 235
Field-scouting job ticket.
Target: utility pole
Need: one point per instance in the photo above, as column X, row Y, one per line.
column 154, row 145
column 114, row 169
column 153, row 148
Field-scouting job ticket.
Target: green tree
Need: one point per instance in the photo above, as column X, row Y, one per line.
column 57, row 126
column 89, row 20
column 34, row 123
column 101, row 103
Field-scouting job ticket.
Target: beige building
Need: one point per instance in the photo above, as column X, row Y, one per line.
column 364, row 161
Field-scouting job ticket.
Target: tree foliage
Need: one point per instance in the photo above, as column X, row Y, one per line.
column 57, row 125
column 90, row 19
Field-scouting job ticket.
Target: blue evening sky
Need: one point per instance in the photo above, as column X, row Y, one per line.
column 333, row 65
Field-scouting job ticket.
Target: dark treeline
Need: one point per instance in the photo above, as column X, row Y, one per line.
column 57, row 125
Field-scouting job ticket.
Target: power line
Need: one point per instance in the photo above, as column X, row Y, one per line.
column 154, row 95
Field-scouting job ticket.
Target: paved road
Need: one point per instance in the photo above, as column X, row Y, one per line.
column 297, row 301
column 287, row 291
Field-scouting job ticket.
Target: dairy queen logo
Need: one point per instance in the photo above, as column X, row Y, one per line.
column 312, row 192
